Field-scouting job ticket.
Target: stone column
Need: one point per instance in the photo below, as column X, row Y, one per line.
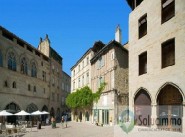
column 154, row 115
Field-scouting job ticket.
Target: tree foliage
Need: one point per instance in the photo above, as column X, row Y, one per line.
column 84, row 97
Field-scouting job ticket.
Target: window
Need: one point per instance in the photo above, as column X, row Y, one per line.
column 44, row 75
column 101, row 80
column 29, row 87
column 73, row 72
column 87, row 77
column 79, row 68
column 168, row 53
column 53, row 81
column 44, row 90
column 11, row 61
column 100, row 62
column 83, row 64
column 53, row 96
column 82, row 80
column 112, row 55
column 34, row 89
column 33, row 70
column 168, row 10
column 74, row 85
column 14, row 85
column 1, row 59
column 6, row 83
column 143, row 63
column 87, row 60
column 63, row 101
column 24, row 66
column 143, row 26
column 78, row 82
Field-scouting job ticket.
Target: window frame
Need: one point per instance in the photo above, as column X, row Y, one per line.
column 141, row 64
column 142, row 23
column 165, row 49
column 169, row 7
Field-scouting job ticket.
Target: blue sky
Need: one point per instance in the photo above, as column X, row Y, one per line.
column 72, row 25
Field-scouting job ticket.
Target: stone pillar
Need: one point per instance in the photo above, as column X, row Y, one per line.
column 154, row 115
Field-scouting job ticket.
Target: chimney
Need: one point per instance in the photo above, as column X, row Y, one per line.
column 118, row 34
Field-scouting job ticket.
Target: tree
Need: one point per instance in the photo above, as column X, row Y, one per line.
column 84, row 98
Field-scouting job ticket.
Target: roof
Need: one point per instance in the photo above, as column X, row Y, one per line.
column 129, row 2
column 108, row 47
column 21, row 40
column 55, row 55
column 87, row 52
column 66, row 74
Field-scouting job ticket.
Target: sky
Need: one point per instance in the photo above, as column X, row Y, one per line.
column 72, row 25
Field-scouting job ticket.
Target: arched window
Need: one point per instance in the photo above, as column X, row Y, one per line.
column 33, row 70
column 1, row 59
column 24, row 66
column 11, row 61
column 14, row 85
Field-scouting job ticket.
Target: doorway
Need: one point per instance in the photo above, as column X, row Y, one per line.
column 105, row 117
column 170, row 108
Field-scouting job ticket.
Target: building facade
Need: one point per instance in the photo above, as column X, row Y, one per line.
column 30, row 77
column 81, row 77
column 66, row 89
column 109, row 64
column 156, row 66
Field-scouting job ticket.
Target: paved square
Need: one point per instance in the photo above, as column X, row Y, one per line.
column 89, row 130
column 73, row 130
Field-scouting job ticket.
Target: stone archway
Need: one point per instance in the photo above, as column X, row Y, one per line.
column 44, row 117
column 12, row 108
column 142, row 108
column 31, row 108
column 170, row 110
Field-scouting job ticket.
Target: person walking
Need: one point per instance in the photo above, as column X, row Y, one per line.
column 62, row 121
column 65, row 119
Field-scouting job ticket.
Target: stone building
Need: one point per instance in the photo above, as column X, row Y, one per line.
column 80, row 77
column 66, row 89
column 109, row 64
column 30, row 77
column 156, row 66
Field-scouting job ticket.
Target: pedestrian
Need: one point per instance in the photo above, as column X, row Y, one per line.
column 62, row 121
column 65, row 119
column 53, row 122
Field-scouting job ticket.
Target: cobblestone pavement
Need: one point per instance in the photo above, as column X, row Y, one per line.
column 73, row 130
column 88, row 130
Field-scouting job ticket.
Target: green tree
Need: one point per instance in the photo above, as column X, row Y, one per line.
column 84, row 98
